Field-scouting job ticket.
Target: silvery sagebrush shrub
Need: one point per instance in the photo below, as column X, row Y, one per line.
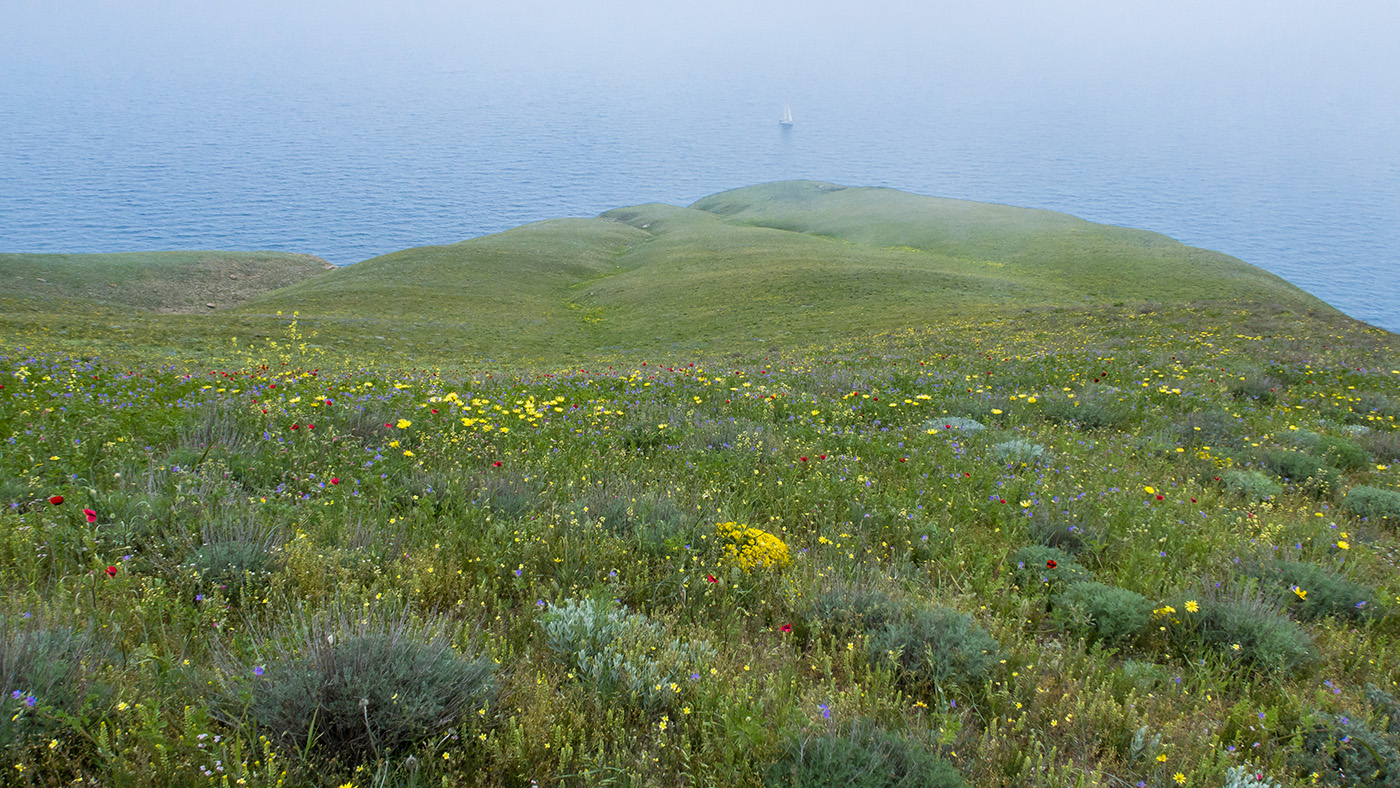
column 1245, row 626
column 1373, row 503
column 1019, row 450
column 1247, row 777
column 1063, row 533
column 1252, row 485
column 1345, row 751
column 845, row 611
column 622, row 654
column 1103, row 613
column 1341, row 453
column 344, row 682
column 935, row 647
column 46, row 673
column 1314, row 592
column 864, row 756
column 235, row 558
column 953, row 424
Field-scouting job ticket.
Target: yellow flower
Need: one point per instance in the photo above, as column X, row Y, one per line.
column 1162, row 758
column 1300, row 592
column 996, row 411
column 1180, row 778
column 1343, row 545
column 1149, row 490
column 407, row 453
column 1192, row 607
column 404, row 424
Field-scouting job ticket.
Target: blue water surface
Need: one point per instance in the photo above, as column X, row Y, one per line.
column 350, row 166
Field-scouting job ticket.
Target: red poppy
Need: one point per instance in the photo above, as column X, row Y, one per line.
column 496, row 464
column 434, row 410
column 111, row 571
column 712, row 578
column 821, row 457
column 335, row 480
column 311, row 426
column 91, row 515
column 904, row 459
column 786, row 628
column 330, row 401
column 1050, row 564
column 295, row 426
column 56, row 500
column 804, row 459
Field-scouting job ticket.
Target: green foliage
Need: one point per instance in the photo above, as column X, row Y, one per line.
column 1246, row 629
column 237, row 561
column 1346, row 751
column 1018, row 450
column 49, row 677
column 1251, row 485
column 343, row 685
column 955, row 424
column 1247, row 777
column 1341, row 453
column 1090, row 411
column 845, row 611
column 1072, row 534
column 935, row 648
column 623, row 655
column 1373, row 503
column 1031, row 567
column 1103, row 613
column 1256, row 386
column 865, row 756
column 1304, row 469
column 1326, row 593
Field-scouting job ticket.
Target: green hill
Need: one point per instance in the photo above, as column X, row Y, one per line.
column 171, row 282
column 791, row 261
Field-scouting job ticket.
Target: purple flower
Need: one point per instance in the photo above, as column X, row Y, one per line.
column 30, row 701
column 826, row 711
column 258, row 671
column 16, row 694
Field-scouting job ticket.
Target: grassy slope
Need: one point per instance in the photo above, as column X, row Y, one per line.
column 793, row 262
column 1100, row 262
column 157, row 281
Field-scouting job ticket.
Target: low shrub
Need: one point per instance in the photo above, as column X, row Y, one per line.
column 1251, row 485
column 1384, row 446
column 239, row 561
column 936, row 647
column 1247, row 777
column 1214, row 428
column 350, row 683
column 1256, row 386
column 1341, row 453
column 1246, row 629
column 1093, row 412
column 621, row 654
column 509, row 497
column 1373, row 503
column 1037, row 566
column 842, row 612
column 1103, row 613
column 47, row 675
column 863, row 757
column 1019, row 450
column 1299, row 467
column 1062, row 532
column 1318, row 592
column 954, row 424
column 1345, row 751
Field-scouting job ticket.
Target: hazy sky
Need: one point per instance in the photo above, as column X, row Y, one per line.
column 1259, row 45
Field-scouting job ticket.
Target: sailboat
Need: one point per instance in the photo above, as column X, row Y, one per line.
column 786, row 119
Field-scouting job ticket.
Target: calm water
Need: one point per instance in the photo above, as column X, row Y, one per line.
column 349, row 168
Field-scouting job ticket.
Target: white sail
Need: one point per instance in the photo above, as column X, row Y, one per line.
column 786, row 120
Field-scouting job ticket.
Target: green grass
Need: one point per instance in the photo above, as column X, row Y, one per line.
column 157, row 281
column 332, row 487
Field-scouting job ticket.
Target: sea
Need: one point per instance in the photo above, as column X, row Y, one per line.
column 351, row 165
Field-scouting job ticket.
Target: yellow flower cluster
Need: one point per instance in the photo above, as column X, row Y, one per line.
column 752, row 547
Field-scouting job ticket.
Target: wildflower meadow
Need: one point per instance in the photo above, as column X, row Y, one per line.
column 1145, row 546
